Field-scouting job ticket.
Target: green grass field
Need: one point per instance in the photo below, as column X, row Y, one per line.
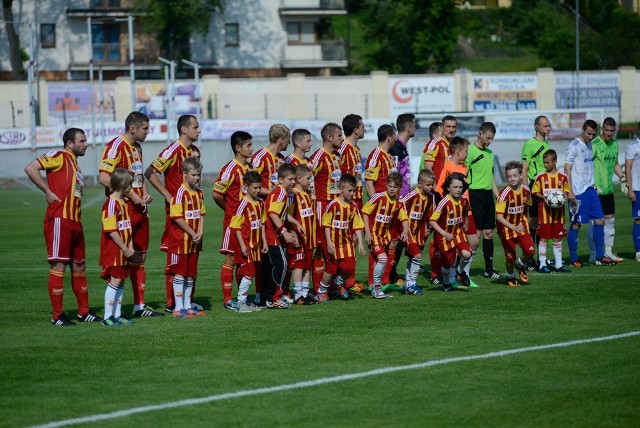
column 52, row 374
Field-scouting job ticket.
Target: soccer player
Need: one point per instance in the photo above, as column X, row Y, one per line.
column 339, row 223
column 532, row 165
column 551, row 221
column 513, row 228
column 605, row 164
column 482, row 190
column 63, row 233
column 300, row 259
column 116, row 245
column 632, row 174
column 436, row 153
column 302, row 142
column 227, row 194
column 583, row 198
column 419, row 204
column 458, row 147
column 248, row 224
column 435, row 135
column 379, row 163
column 125, row 152
column 350, row 155
column 267, row 160
column 278, row 237
column 377, row 215
column 447, row 221
column 169, row 163
column 406, row 126
column 184, row 242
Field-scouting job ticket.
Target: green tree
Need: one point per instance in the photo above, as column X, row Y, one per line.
column 173, row 21
column 15, row 53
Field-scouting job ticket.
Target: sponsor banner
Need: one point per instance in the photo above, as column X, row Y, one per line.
column 15, row 138
column 151, row 99
column 71, row 102
column 421, row 94
column 504, row 92
column 590, row 90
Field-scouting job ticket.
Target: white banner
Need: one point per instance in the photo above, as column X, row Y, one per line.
column 421, row 95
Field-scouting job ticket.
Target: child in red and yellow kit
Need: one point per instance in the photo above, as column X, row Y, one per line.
column 377, row 215
column 512, row 207
column 248, row 224
column 340, row 221
column 419, row 204
column 450, row 239
column 551, row 221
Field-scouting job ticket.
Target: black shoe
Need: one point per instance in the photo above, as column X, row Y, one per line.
column 464, row 278
column 147, row 312
column 448, row 288
column 436, row 281
column 62, row 321
column 494, row 274
column 89, row 317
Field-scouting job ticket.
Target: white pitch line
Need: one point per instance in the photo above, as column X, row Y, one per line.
column 324, row 381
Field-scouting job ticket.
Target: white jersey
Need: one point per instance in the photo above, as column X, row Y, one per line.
column 633, row 153
column 580, row 156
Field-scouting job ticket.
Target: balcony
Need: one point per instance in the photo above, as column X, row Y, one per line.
column 325, row 54
column 312, row 7
column 99, row 8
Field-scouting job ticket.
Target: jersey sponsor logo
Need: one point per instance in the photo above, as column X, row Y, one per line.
column 274, row 178
column 192, row 214
column 516, row 210
column 255, row 224
column 454, row 221
column 107, row 164
column 124, row 224
column 383, row 218
column 78, row 189
column 306, row 212
column 137, row 170
column 338, row 224
column 336, row 174
column 416, row 215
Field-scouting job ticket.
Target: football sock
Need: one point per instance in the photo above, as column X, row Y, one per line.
column 297, row 290
column 378, row 270
column 609, row 233
column 572, row 241
column 590, row 241
column 635, row 233
column 56, row 288
column 462, row 265
column 318, row 270
column 393, row 272
column 542, row 253
column 487, row 252
column 178, row 292
column 226, row 279
column 323, row 288
column 413, row 267
column 168, row 284
column 598, row 238
column 435, row 261
column 386, row 275
column 110, row 295
column 445, row 275
column 188, row 289
column 557, row 254
column 79, row 287
column 467, row 267
column 304, row 288
column 243, row 289
column 372, row 263
column 339, row 281
column 117, row 312
column 138, row 277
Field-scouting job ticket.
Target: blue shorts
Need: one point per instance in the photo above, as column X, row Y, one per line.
column 635, row 207
column 590, row 207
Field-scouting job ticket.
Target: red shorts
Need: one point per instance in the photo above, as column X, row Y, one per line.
column 185, row 265
column 346, row 266
column 395, row 229
column 120, row 272
column 247, row 269
column 320, row 207
column 413, row 250
column 471, row 225
column 552, row 231
column 449, row 257
column 255, row 255
column 139, row 227
column 524, row 241
column 65, row 240
column 301, row 260
column 378, row 249
column 228, row 238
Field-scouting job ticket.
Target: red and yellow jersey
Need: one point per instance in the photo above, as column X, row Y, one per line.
column 437, row 151
column 448, row 169
column 419, row 208
column 543, row 184
column 266, row 164
column 188, row 205
column 450, row 216
column 169, row 163
column 351, row 163
column 343, row 220
column 381, row 210
column 66, row 181
column 302, row 210
column 277, row 203
column 248, row 219
column 115, row 218
column 377, row 168
column 230, row 184
column 514, row 206
column 294, row 161
column 119, row 153
column 326, row 172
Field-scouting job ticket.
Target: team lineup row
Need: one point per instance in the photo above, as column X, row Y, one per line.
column 301, row 218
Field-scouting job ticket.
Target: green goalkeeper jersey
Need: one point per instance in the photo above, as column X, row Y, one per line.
column 605, row 158
column 533, row 153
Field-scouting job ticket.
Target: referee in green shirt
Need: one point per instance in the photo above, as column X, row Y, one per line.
column 482, row 191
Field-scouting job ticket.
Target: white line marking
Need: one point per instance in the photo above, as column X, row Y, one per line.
column 324, row 381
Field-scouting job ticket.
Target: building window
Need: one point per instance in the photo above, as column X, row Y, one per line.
column 301, row 32
column 105, row 4
column 232, row 34
column 48, row 35
column 106, row 42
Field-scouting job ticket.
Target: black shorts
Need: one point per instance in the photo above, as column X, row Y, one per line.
column 608, row 203
column 483, row 207
column 535, row 201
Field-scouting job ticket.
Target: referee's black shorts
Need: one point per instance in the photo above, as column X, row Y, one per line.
column 483, row 207
column 535, row 201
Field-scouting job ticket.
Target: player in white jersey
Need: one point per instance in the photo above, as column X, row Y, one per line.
column 583, row 197
column 632, row 173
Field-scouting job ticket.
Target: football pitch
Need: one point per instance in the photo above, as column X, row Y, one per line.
column 563, row 350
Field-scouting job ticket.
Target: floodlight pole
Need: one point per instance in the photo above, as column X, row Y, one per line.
column 32, row 98
column 92, row 136
column 170, row 93
column 577, row 98
column 196, row 91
